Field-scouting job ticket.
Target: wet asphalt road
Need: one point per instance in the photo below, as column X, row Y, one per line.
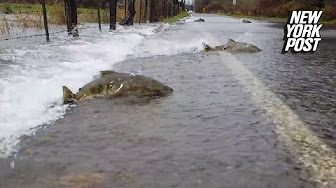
column 208, row 133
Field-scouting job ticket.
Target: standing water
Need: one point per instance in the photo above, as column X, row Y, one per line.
column 243, row 120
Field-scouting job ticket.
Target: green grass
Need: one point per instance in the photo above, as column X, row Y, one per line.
column 21, row 7
column 329, row 24
column 31, row 8
column 175, row 18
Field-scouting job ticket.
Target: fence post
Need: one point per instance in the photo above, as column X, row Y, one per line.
column 74, row 18
column 45, row 19
column 113, row 14
column 98, row 11
column 71, row 13
column 67, row 15
column 146, row 12
column 169, row 10
column 131, row 12
column 140, row 15
column 178, row 7
column 152, row 13
column 183, row 6
column 163, row 8
column 173, row 8
column 125, row 6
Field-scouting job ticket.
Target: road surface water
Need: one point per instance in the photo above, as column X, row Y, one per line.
column 243, row 120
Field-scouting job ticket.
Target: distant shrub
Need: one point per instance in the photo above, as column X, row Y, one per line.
column 214, row 8
column 285, row 9
column 7, row 9
column 329, row 12
column 56, row 14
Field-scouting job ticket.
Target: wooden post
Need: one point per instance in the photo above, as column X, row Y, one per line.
column 74, row 22
column 98, row 11
column 166, row 9
column 173, row 8
column 183, row 6
column 157, row 11
column 178, row 7
column 113, row 14
column 146, row 12
column 45, row 19
column 71, row 13
column 140, row 15
column 163, row 8
column 125, row 6
column 131, row 12
column 67, row 15
column 152, row 13
column 169, row 12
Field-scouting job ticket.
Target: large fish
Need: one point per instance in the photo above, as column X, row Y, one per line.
column 113, row 84
column 233, row 47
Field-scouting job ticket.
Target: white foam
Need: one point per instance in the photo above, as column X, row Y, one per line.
column 31, row 93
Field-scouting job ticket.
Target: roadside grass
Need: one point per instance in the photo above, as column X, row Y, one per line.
column 20, row 8
column 30, row 16
column 175, row 18
column 33, row 8
column 329, row 24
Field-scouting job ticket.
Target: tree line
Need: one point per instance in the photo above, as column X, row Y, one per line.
column 81, row 3
column 269, row 8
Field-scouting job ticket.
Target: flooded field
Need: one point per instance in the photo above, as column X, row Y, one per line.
column 232, row 120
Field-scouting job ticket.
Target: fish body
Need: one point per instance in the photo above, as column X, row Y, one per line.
column 233, row 47
column 113, row 84
column 246, row 21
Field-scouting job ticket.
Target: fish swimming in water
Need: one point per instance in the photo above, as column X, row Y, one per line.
column 246, row 21
column 199, row 20
column 233, row 47
column 114, row 84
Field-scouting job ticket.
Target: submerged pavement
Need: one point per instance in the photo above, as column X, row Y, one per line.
column 232, row 121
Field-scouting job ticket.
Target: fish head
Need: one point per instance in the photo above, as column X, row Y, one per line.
column 149, row 87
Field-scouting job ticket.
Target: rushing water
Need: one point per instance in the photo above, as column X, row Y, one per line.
column 32, row 75
column 212, row 132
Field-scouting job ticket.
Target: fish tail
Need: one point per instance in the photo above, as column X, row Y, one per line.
column 68, row 96
column 206, row 47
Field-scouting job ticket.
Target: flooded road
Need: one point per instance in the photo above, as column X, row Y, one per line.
column 232, row 120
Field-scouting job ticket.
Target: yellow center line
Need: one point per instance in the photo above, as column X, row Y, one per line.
column 317, row 158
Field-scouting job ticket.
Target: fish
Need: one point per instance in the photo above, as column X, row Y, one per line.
column 246, row 21
column 199, row 20
column 233, row 47
column 112, row 84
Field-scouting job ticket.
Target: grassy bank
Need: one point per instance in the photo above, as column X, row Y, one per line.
column 33, row 8
column 329, row 24
column 175, row 18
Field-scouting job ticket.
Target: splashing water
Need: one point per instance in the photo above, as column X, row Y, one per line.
column 31, row 78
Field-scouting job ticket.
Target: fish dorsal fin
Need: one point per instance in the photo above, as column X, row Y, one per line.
column 206, row 47
column 105, row 73
column 231, row 40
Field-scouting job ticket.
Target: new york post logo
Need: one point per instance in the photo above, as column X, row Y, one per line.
column 302, row 32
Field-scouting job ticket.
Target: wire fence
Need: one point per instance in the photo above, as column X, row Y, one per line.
column 43, row 34
column 66, row 13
